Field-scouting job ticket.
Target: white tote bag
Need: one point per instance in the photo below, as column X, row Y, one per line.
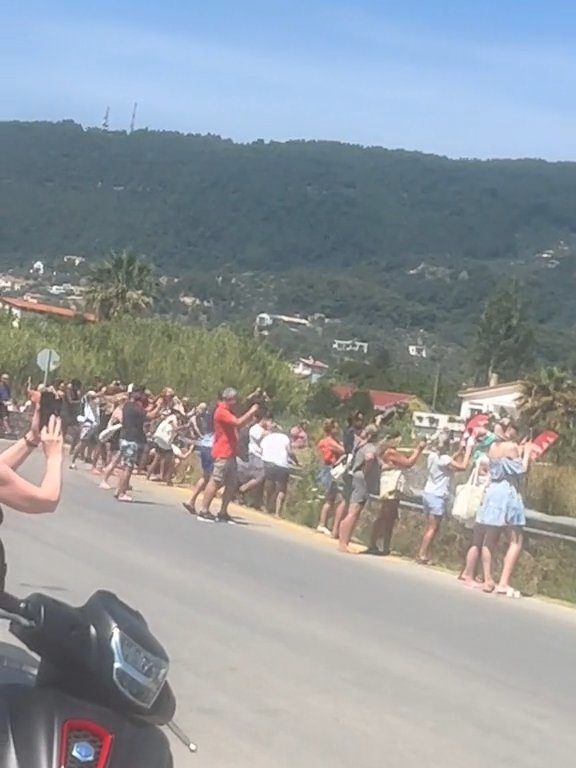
column 392, row 483
column 107, row 433
column 164, row 434
column 468, row 498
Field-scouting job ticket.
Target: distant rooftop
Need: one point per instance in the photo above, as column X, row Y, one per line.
column 381, row 400
column 25, row 305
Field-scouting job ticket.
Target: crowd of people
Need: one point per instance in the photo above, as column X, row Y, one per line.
column 357, row 468
column 118, row 430
column 244, row 454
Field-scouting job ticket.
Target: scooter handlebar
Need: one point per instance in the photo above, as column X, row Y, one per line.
column 11, row 604
column 16, row 608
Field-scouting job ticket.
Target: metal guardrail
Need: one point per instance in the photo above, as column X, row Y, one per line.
column 538, row 524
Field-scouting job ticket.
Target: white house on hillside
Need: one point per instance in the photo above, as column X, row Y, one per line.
column 491, row 399
column 308, row 368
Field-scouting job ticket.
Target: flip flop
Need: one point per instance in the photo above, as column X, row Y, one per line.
column 471, row 585
column 515, row 594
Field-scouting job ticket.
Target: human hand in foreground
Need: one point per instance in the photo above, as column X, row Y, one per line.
column 52, row 439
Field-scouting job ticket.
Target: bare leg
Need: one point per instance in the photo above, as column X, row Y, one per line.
column 98, row 453
column 376, row 530
column 270, row 496
column 74, row 433
column 124, row 483
column 341, row 512
column 511, row 558
column 169, row 469
column 432, row 528
column 325, row 512
column 108, row 470
column 488, row 549
column 230, row 489
column 154, row 467
column 347, row 527
column 473, row 555
column 81, row 446
column 199, row 486
column 210, row 492
column 280, row 500
column 250, row 485
column 143, row 463
column 383, row 526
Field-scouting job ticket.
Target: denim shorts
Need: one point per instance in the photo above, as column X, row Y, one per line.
column 206, row 460
column 359, row 490
column 327, row 483
column 434, row 505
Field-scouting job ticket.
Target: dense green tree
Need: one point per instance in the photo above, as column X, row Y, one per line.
column 549, row 402
column 121, row 285
column 505, row 336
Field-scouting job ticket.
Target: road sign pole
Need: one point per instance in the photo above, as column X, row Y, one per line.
column 48, row 367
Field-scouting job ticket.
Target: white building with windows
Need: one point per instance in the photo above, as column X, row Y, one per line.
column 351, row 345
column 497, row 399
column 308, row 368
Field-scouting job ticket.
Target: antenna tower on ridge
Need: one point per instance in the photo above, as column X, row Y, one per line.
column 133, row 121
column 106, row 121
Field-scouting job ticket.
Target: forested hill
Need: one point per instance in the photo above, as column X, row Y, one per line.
column 189, row 201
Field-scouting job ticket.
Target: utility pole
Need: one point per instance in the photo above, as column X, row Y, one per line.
column 106, row 121
column 133, row 121
column 436, row 386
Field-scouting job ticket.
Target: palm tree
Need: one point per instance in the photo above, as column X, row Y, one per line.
column 121, row 285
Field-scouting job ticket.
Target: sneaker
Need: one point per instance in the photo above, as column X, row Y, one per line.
column 105, row 486
column 225, row 518
column 73, row 465
column 206, row 517
column 324, row 530
column 125, row 498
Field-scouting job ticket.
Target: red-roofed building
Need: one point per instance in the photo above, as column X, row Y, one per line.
column 18, row 306
column 381, row 400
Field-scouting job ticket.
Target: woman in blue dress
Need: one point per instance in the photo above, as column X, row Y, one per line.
column 503, row 507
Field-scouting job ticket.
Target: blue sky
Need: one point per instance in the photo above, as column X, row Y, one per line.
column 473, row 78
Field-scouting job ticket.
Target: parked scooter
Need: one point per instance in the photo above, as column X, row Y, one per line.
column 97, row 698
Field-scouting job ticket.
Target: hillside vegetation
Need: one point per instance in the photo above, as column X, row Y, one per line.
column 190, row 200
column 372, row 236
column 155, row 353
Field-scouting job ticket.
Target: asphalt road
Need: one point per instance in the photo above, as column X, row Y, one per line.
column 286, row 654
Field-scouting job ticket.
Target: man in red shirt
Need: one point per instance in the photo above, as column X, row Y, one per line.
column 224, row 452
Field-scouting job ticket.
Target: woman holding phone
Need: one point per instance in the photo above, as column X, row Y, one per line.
column 20, row 494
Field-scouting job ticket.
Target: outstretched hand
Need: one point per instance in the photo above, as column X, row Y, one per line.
column 52, row 439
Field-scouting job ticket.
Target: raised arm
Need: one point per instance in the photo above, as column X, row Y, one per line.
column 246, row 417
column 17, row 453
column 395, row 457
column 26, row 497
column 461, row 465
